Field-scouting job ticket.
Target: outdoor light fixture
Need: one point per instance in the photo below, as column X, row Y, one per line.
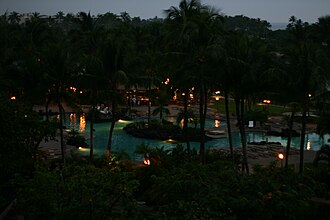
column 74, row 89
column 281, row 157
column 83, row 149
column 146, row 160
column 267, row 101
column 13, row 98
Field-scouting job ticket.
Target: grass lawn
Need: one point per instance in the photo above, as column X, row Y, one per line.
column 272, row 109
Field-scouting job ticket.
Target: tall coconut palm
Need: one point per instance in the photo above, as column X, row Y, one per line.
column 90, row 80
column 57, row 65
column 303, row 62
column 148, row 61
column 238, row 67
column 113, row 63
column 224, row 79
column 87, row 44
column 14, row 17
column 246, row 65
column 179, row 20
column 195, row 24
column 183, row 82
column 322, row 31
column 294, row 107
column 162, row 100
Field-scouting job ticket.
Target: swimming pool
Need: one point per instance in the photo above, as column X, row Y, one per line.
column 128, row 143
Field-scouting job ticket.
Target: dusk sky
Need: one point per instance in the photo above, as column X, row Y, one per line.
column 270, row 10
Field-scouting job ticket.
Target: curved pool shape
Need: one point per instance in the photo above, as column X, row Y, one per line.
column 128, row 143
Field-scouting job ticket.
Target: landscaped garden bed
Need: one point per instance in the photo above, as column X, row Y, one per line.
column 162, row 131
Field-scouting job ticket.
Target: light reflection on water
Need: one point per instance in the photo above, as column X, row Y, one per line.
column 308, row 145
column 82, row 123
column 128, row 143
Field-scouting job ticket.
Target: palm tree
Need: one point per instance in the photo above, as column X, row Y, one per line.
column 149, row 79
column 196, row 26
column 57, row 66
column 226, row 81
column 303, row 59
column 91, row 79
column 112, row 56
column 148, row 58
column 87, row 43
column 181, row 20
column 238, row 67
column 162, row 100
column 246, row 61
column 294, row 107
column 60, row 15
column 14, row 17
column 322, row 30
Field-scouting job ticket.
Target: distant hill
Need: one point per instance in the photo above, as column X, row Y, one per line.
column 277, row 26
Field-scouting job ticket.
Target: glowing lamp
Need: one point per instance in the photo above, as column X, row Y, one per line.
column 280, row 156
column 216, row 123
column 146, row 162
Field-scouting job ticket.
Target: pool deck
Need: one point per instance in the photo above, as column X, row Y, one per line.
column 268, row 153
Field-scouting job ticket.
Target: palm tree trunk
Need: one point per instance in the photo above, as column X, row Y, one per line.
column 302, row 140
column 229, row 125
column 129, row 106
column 61, row 128
column 202, row 124
column 149, row 102
column 35, row 151
column 112, row 126
column 288, row 145
column 239, row 105
column 185, row 123
column 243, row 137
column 249, row 103
column 202, row 146
column 202, row 112
column 205, row 110
column 161, row 113
column 91, row 137
column 47, row 109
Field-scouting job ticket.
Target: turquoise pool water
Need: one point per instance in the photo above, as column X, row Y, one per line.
column 128, row 143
